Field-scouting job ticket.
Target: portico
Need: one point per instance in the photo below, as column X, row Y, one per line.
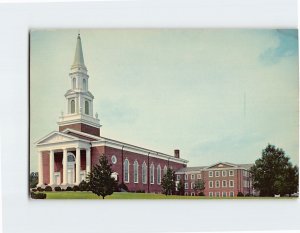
column 63, row 160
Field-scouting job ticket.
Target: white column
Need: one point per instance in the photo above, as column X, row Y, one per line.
column 77, row 166
column 65, row 169
column 51, row 170
column 41, row 175
column 88, row 161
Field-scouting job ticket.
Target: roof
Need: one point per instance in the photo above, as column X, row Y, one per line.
column 78, row 59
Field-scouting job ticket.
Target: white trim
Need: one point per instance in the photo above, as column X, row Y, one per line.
column 231, row 171
column 225, row 163
column 217, row 194
column 224, row 186
column 126, row 181
column 217, row 182
column 192, row 176
column 231, row 192
column 152, row 177
column 211, row 184
column 136, row 169
column 186, row 185
column 217, row 172
column 230, row 185
column 211, row 194
column 192, row 185
column 80, row 133
column 199, row 176
column 224, row 172
column 158, row 175
column 211, row 174
column 144, row 166
column 186, row 177
column 223, row 194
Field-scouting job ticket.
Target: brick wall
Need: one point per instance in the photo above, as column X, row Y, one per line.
column 82, row 128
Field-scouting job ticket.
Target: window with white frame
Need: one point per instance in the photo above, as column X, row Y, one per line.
column 144, row 173
column 186, row 185
column 198, row 176
column 224, row 194
column 152, row 173
column 192, row 185
column 217, row 184
column 178, row 177
column 231, row 183
column 231, row 194
column 211, row 194
column 211, row 174
column 186, row 176
column 217, row 173
column 192, row 176
column 135, row 172
column 224, row 183
column 224, row 173
column 165, row 170
column 231, row 173
column 245, row 173
column 217, row 194
column 158, row 174
column 126, row 171
column 211, row 184
column 246, row 184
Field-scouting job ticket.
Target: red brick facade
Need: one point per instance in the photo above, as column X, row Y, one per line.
column 82, row 128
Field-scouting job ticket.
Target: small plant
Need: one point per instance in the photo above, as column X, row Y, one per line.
column 83, row 186
column 57, row 189
column 48, row 188
column 76, row 188
column 34, row 190
column 201, row 194
column 69, row 188
column 34, row 195
column 40, row 189
column 240, row 194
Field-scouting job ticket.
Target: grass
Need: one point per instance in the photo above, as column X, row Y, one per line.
column 90, row 195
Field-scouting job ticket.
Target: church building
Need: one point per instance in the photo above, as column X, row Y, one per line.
column 66, row 156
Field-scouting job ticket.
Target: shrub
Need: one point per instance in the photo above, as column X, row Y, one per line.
column 34, row 190
column 40, row 189
column 34, row 195
column 201, row 194
column 123, row 187
column 69, row 188
column 248, row 195
column 76, row 188
column 48, row 188
column 57, row 189
column 140, row 191
column 63, row 190
column 240, row 194
column 83, row 186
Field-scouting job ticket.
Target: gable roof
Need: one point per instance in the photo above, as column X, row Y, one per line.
column 56, row 136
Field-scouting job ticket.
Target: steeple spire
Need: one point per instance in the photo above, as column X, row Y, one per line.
column 78, row 59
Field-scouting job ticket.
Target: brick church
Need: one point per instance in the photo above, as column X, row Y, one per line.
column 66, row 156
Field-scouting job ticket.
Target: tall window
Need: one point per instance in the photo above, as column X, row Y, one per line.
column 126, row 170
column 72, row 106
column 86, row 107
column 74, row 83
column 136, row 172
column 217, row 184
column 152, row 174
column 158, row 174
column 144, row 173
column 165, row 170
column 84, row 85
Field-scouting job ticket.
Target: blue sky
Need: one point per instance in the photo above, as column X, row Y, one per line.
column 217, row 95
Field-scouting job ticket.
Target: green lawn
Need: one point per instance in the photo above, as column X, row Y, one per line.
column 90, row 195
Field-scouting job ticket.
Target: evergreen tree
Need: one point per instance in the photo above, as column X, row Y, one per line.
column 100, row 181
column 180, row 188
column 168, row 182
column 199, row 185
column 274, row 174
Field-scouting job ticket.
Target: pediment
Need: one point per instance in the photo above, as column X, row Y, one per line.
column 56, row 137
column 222, row 165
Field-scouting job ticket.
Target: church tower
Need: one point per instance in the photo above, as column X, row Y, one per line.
column 79, row 113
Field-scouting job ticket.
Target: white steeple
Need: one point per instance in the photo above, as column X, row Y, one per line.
column 79, row 99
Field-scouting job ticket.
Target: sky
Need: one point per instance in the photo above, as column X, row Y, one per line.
column 215, row 94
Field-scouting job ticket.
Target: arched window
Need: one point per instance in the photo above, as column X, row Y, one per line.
column 74, row 83
column 158, row 174
column 165, row 170
column 135, row 172
column 144, row 173
column 84, row 84
column 71, row 158
column 152, row 173
column 72, row 106
column 126, row 171
column 86, row 107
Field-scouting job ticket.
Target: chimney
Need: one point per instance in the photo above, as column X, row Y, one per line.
column 177, row 153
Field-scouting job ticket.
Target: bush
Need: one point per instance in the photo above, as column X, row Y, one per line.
column 34, row 195
column 40, row 189
column 69, row 188
column 76, row 188
column 201, row 194
column 123, row 187
column 63, row 190
column 57, row 189
column 83, row 186
column 248, row 195
column 48, row 189
column 140, row 191
column 34, row 190
column 240, row 194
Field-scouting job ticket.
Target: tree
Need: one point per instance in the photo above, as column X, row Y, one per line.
column 168, row 182
column 33, row 179
column 274, row 174
column 100, row 181
column 180, row 188
column 199, row 185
